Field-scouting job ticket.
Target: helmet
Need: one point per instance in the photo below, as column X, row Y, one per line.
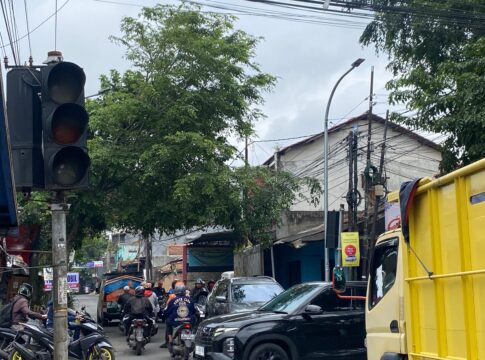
column 200, row 281
column 126, row 288
column 179, row 289
column 25, row 290
column 139, row 291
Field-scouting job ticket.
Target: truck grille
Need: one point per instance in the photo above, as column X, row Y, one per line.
column 204, row 336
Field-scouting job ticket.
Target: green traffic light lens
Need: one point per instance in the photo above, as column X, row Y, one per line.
column 68, row 123
column 65, row 82
column 69, row 166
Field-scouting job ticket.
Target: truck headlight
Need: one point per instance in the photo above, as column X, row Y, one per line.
column 228, row 347
column 224, row 330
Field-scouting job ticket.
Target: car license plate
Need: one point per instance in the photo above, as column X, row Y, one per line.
column 199, row 350
column 188, row 336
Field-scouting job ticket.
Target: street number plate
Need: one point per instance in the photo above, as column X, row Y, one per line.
column 199, row 350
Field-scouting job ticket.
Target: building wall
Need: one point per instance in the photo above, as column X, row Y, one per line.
column 405, row 159
column 310, row 257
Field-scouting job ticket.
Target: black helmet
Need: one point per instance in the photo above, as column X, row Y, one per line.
column 25, row 290
column 179, row 289
column 139, row 291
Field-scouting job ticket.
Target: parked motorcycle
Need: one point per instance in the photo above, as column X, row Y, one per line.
column 36, row 343
column 183, row 342
column 138, row 335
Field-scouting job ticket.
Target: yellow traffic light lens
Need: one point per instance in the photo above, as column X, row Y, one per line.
column 65, row 82
column 69, row 166
column 68, row 123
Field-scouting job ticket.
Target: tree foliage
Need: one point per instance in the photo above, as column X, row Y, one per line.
column 159, row 132
column 437, row 57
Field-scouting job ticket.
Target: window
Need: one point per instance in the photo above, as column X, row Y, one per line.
column 329, row 301
column 383, row 271
column 253, row 293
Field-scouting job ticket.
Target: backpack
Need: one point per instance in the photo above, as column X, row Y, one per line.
column 6, row 315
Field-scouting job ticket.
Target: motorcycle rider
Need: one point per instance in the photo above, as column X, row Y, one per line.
column 197, row 290
column 123, row 298
column 150, row 295
column 138, row 307
column 20, row 309
column 181, row 309
column 159, row 290
column 210, row 285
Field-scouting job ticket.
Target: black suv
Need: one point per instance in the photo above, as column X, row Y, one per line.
column 241, row 294
column 308, row 321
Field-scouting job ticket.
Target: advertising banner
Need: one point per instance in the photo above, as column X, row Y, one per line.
column 73, row 280
column 350, row 249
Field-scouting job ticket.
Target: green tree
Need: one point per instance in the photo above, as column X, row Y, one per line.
column 437, row 57
column 159, row 136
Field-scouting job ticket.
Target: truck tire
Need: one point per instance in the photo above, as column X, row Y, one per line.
column 268, row 351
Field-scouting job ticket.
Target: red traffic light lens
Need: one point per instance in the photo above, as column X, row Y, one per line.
column 65, row 82
column 69, row 166
column 68, row 123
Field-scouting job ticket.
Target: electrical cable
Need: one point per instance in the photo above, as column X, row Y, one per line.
column 38, row 26
column 28, row 29
column 55, row 29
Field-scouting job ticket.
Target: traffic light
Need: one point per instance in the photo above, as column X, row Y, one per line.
column 25, row 127
column 65, row 126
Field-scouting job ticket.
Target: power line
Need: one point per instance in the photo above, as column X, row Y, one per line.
column 38, row 26
column 28, row 29
column 55, row 29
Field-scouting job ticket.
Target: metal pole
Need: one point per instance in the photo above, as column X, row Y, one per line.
column 325, row 166
column 59, row 259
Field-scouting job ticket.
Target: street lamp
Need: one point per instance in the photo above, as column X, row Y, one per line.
column 355, row 64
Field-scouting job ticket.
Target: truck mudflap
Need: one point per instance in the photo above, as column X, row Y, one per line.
column 392, row 356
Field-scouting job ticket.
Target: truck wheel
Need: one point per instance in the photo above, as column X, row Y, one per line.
column 268, row 351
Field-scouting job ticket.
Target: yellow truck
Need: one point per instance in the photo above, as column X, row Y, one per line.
column 426, row 287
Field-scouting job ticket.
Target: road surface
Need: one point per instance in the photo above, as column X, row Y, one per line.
column 122, row 351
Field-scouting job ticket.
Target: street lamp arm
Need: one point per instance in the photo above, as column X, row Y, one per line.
column 327, row 110
column 325, row 166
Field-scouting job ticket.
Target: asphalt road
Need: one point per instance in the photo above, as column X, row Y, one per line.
column 122, row 351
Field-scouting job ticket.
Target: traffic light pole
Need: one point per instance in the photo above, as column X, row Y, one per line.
column 59, row 258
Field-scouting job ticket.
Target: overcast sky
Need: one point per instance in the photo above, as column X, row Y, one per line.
column 307, row 59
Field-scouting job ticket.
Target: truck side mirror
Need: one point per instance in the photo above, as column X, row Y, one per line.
column 339, row 280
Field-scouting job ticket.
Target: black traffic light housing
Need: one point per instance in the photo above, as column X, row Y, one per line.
column 65, row 127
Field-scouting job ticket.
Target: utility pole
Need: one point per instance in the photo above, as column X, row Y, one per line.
column 379, row 193
column 148, row 258
column 368, row 166
column 108, row 254
column 59, row 258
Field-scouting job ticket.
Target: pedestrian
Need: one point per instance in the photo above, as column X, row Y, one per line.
column 21, row 310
